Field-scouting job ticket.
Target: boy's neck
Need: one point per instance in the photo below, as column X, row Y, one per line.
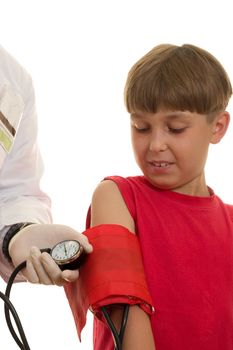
column 195, row 188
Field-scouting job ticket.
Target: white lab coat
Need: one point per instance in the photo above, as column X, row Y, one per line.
column 21, row 167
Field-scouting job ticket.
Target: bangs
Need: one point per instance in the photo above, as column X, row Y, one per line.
column 182, row 80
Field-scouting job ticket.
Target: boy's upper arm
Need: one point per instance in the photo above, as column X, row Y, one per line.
column 108, row 206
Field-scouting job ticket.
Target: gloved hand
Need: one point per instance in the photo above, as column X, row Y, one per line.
column 41, row 268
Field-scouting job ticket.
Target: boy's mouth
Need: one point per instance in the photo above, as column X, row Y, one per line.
column 161, row 164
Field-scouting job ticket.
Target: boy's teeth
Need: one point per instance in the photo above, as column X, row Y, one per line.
column 161, row 164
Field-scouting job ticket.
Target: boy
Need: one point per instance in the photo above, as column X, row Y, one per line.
column 177, row 98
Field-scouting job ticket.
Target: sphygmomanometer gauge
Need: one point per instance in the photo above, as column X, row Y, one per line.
column 68, row 254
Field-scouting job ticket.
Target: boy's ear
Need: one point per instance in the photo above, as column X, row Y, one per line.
column 220, row 126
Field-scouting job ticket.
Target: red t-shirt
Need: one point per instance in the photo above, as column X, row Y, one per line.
column 187, row 249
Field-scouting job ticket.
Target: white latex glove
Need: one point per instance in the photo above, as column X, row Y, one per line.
column 41, row 268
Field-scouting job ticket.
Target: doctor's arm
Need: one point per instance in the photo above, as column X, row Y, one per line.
column 108, row 207
column 23, row 201
column 21, row 198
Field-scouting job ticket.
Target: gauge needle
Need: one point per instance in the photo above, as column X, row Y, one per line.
column 65, row 249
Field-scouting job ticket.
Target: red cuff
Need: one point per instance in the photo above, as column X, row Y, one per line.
column 113, row 273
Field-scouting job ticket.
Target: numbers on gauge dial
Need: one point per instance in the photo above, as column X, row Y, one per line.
column 65, row 250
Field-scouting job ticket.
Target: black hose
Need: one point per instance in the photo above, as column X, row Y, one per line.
column 117, row 337
column 9, row 308
column 117, row 341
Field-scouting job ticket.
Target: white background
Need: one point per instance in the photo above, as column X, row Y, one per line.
column 79, row 53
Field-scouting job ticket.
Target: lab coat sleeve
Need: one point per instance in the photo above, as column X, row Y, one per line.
column 21, row 168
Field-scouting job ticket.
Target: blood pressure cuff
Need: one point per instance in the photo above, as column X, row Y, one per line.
column 112, row 274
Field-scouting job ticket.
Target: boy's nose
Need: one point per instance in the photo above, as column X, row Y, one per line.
column 158, row 144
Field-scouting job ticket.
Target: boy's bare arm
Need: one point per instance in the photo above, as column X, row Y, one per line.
column 108, row 207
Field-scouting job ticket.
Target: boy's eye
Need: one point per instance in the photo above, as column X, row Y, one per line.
column 176, row 130
column 142, row 129
column 139, row 128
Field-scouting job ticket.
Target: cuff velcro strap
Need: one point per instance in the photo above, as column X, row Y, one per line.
column 112, row 274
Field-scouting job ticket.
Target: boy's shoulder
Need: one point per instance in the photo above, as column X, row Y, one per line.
column 229, row 208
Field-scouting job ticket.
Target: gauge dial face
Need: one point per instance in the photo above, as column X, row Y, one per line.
column 65, row 250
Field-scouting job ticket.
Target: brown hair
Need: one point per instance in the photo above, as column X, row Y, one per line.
column 178, row 78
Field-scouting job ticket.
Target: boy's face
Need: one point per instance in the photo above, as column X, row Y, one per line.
column 171, row 148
